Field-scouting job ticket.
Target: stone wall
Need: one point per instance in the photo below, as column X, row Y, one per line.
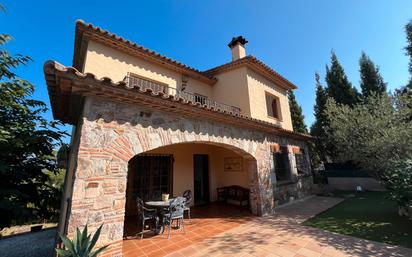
column 112, row 133
column 285, row 192
column 350, row 183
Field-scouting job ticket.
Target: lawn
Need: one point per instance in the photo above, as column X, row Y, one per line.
column 368, row 215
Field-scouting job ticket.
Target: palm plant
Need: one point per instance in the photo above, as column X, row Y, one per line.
column 81, row 245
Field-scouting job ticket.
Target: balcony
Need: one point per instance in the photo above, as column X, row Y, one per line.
column 143, row 84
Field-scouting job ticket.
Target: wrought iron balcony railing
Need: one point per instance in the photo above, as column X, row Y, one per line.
column 144, row 84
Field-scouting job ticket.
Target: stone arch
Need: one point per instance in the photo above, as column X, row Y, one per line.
column 249, row 162
column 112, row 134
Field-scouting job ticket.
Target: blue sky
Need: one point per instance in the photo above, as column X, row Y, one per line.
column 293, row 37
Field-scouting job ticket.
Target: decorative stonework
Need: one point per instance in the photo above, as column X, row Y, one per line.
column 291, row 191
column 112, row 133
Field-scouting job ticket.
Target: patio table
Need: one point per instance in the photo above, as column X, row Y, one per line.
column 160, row 207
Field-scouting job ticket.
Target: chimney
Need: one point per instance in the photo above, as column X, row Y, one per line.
column 238, row 47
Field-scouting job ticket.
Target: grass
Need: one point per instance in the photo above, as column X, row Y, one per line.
column 368, row 215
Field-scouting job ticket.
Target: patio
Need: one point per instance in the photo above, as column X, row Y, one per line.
column 221, row 230
column 207, row 222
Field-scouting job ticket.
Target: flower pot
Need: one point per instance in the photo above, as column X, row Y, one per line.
column 165, row 197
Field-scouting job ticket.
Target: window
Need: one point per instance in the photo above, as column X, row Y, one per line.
column 302, row 164
column 152, row 176
column 200, row 99
column 281, row 161
column 273, row 106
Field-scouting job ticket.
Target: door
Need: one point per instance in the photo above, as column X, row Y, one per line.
column 149, row 176
column 201, row 178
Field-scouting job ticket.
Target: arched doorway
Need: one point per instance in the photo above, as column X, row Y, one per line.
column 201, row 167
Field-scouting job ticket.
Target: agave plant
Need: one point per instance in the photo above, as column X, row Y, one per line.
column 81, row 245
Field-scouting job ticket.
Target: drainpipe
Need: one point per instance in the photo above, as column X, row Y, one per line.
column 67, row 189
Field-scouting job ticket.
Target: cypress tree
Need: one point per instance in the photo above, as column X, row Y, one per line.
column 339, row 87
column 371, row 79
column 408, row 49
column 298, row 122
column 318, row 128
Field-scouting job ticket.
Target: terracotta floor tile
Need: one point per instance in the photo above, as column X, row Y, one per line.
column 171, row 248
column 157, row 253
column 291, row 246
column 189, row 251
column 133, row 252
column 175, row 254
column 309, row 253
column 220, row 231
column 314, row 247
column 149, row 248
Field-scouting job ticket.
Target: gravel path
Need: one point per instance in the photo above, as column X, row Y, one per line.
column 38, row 244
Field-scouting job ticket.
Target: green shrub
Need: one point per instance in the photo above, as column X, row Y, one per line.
column 81, row 245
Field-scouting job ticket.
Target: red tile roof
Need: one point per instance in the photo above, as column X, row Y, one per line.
column 61, row 80
column 87, row 31
column 256, row 65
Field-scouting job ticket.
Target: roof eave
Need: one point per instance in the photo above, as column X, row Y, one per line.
column 86, row 32
column 256, row 65
column 65, row 82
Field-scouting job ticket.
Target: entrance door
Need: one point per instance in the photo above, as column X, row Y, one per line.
column 149, row 177
column 201, row 178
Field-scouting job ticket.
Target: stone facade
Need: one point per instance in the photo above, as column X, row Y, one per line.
column 111, row 133
column 293, row 190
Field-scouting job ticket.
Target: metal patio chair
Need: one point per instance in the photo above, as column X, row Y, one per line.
column 188, row 196
column 175, row 212
column 146, row 214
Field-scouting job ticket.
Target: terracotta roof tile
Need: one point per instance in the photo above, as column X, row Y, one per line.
column 85, row 31
column 258, row 65
column 104, row 36
column 54, row 71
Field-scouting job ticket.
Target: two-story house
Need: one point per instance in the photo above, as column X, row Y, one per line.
column 144, row 124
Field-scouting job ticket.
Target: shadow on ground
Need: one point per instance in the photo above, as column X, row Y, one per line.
column 283, row 230
column 38, row 244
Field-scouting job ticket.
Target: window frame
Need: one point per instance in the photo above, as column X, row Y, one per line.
column 282, row 155
column 273, row 102
column 301, row 159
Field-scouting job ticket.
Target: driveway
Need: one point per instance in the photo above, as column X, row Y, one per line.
column 37, row 244
column 282, row 234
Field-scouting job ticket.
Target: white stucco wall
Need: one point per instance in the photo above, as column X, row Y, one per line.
column 104, row 61
column 241, row 87
column 258, row 86
column 183, row 170
column 231, row 88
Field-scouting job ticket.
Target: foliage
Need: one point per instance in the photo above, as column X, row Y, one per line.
column 371, row 79
column 318, row 129
column 82, row 244
column 368, row 215
column 296, row 114
column 338, row 85
column 400, row 181
column 408, row 49
column 27, row 141
column 376, row 134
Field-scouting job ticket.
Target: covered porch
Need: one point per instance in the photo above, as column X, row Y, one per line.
column 201, row 167
column 207, row 221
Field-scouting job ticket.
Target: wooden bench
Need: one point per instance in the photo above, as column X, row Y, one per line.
column 232, row 194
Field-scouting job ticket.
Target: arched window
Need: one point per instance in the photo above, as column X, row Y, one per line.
column 273, row 106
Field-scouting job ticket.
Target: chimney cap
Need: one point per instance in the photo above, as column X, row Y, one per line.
column 235, row 40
